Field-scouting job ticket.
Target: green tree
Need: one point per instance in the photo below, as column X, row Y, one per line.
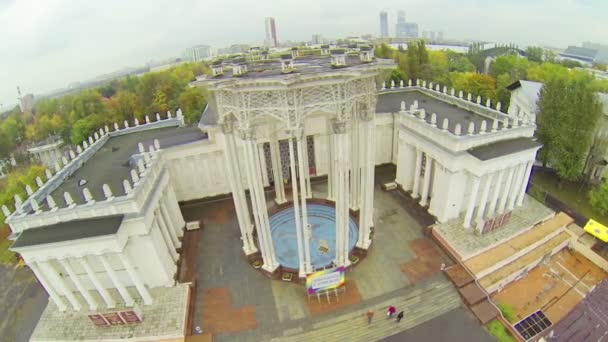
column 384, row 51
column 514, row 66
column 598, row 198
column 6, row 146
column 547, row 71
column 503, row 95
column 85, row 127
column 476, row 55
column 413, row 60
column 476, row 84
column 123, row 106
column 192, row 102
column 535, row 54
column 567, row 120
column 459, row 62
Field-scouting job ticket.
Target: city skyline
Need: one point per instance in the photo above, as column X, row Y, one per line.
column 79, row 41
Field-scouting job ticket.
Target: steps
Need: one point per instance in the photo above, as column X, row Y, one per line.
column 510, row 272
column 503, row 263
column 419, row 306
column 507, row 252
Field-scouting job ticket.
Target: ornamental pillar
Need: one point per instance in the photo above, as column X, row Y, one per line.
column 126, row 296
column 342, row 192
column 472, row 200
column 55, row 296
column 258, row 200
column 83, row 290
column 110, row 303
column 366, row 192
column 515, row 187
column 426, row 182
column 484, row 200
column 524, row 184
column 165, row 221
column 63, row 286
column 296, row 207
column 331, row 172
column 355, row 166
column 156, row 224
column 304, row 193
column 506, row 191
column 238, row 194
column 277, row 171
column 494, row 199
column 141, row 288
column 417, row 167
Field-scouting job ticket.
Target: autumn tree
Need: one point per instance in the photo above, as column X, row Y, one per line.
column 568, row 114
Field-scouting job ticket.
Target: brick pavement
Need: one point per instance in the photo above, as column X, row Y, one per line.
column 220, row 316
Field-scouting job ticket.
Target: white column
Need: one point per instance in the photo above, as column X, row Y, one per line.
column 331, row 167
column 296, row 207
column 502, row 203
column 165, row 223
column 141, row 288
column 126, row 296
column 484, row 199
column 342, row 200
column 173, row 207
column 83, row 291
column 264, row 168
column 258, row 201
column 355, row 170
column 306, row 231
column 367, row 182
column 56, row 297
column 515, row 187
column 472, row 201
column 165, row 237
column 306, row 167
column 524, row 184
column 275, row 156
column 238, row 194
column 495, row 194
column 426, row 183
column 416, row 188
column 63, row 286
column 110, row 303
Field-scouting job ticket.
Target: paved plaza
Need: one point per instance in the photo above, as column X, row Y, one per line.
column 23, row 301
column 235, row 302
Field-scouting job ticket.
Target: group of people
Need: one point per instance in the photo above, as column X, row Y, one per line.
column 390, row 312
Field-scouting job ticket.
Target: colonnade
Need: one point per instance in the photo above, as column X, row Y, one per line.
column 506, row 195
column 51, row 273
column 350, row 185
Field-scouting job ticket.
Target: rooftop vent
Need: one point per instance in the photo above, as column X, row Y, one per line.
column 338, row 58
column 217, row 68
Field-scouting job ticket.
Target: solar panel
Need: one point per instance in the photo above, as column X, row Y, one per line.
column 533, row 325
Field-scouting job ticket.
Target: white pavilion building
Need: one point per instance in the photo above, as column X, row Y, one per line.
column 104, row 229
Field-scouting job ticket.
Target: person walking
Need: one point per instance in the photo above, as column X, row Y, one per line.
column 370, row 315
column 399, row 316
column 391, row 311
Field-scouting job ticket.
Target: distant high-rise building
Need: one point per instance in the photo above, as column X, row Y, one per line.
column 404, row 29
column 26, row 102
column 383, row 24
column 200, row 52
column 317, row 39
column 440, row 36
column 433, row 36
column 271, row 32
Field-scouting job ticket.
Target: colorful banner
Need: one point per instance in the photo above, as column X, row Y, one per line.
column 325, row 280
column 597, row 229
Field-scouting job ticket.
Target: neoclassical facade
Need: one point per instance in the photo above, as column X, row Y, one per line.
column 332, row 107
column 104, row 228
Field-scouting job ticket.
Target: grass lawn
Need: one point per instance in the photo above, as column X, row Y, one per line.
column 6, row 257
column 572, row 194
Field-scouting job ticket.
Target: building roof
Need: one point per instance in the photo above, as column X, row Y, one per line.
column 390, row 102
column 68, row 231
column 302, row 65
column 112, row 163
column 585, row 53
column 503, row 148
column 588, row 321
column 531, row 91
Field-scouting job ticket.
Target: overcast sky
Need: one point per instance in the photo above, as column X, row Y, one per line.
column 47, row 44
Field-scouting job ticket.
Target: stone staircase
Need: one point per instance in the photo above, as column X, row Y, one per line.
column 498, row 266
column 419, row 305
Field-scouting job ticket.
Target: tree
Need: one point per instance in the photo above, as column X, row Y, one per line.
column 123, row 106
column 514, row 66
column 535, row 54
column 413, row 60
column 192, row 102
column 384, row 51
column 83, row 128
column 567, row 120
column 398, row 75
column 476, row 84
column 598, row 198
column 476, row 55
column 600, row 66
column 459, row 62
column 547, row 71
column 503, row 95
column 6, row 146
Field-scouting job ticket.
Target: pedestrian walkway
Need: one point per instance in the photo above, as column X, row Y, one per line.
column 419, row 306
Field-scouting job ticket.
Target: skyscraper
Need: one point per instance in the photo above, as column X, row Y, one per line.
column 404, row 29
column 271, row 32
column 383, row 24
